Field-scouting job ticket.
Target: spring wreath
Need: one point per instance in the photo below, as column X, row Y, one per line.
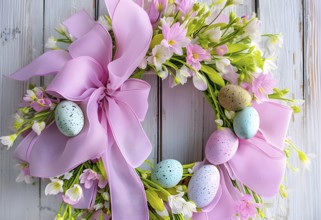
column 83, row 130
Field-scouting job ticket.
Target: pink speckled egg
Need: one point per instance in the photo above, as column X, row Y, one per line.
column 221, row 146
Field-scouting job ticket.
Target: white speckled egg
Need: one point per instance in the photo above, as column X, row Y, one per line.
column 69, row 118
column 203, row 185
column 246, row 123
column 221, row 146
column 167, row 173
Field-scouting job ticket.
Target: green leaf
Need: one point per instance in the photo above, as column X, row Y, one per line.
column 152, row 216
column 157, row 39
column 139, row 74
column 234, row 48
column 213, row 75
column 154, row 200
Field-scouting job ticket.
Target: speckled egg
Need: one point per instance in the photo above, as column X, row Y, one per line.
column 69, row 118
column 167, row 173
column 221, row 146
column 234, row 98
column 203, row 185
column 246, row 123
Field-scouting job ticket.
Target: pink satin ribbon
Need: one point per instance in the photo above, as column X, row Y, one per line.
column 259, row 162
column 113, row 104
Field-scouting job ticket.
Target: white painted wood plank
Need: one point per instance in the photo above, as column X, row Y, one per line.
column 287, row 17
column 55, row 13
column 311, row 192
column 19, row 44
column 59, row 10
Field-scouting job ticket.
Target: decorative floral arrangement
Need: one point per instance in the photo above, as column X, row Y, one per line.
column 82, row 132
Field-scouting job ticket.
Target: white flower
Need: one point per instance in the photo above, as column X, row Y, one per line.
column 229, row 114
column 30, row 96
column 273, row 43
column 200, row 82
column 54, row 187
column 159, row 56
column 306, row 159
column 180, row 206
column 269, row 65
column 38, row 127
column 163, row 73
column 18, row 118
column 143, row 64
column 163, row 213
column 214, row 34
column 219, row 122
column 252, row 30
column 188, row 209
column 105, row 196
column 73, row 195
column 102, row 20
column 24, row 174
column 182, row 74
column 51, row 43
column 98, row 206
column 61, row 29
column 221, row 65
column 67, row 175
column 8, row 140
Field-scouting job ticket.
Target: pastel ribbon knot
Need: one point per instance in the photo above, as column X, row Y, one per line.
column 113, row 104
column 259, row 163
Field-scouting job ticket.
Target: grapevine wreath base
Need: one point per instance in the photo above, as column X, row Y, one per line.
column 82, row 132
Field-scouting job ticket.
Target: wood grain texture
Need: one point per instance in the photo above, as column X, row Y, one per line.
column 186, row 116
column 18, row 46
column 310, row 193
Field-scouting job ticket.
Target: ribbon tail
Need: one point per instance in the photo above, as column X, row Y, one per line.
column 126, row 189
column 259, row 165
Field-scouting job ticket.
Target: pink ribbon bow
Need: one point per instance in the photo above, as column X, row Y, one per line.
column 113, row 104
column 259, row 163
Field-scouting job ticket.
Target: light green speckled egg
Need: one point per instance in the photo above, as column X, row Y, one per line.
column 246, row 123
column 234, row 98
column 167, row 173
column 69, row 118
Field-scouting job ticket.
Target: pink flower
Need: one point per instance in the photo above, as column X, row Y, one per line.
column 262, row 85
column 222, row 50
column 245, row 209
column 230, row 75
column 37, row 99
column 175, row 37
column 184, row 6
column 196, row 54
column 102, row 182
column 156, row 8
column 88, row 177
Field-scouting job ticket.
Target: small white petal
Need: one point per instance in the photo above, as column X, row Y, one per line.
column 75, row 193
column 219, row 122
column 38, row 127
column 200, row 82
column 67, row 175
column 54, row 187
column 51, row 43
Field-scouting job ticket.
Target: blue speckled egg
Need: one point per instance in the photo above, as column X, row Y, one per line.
column 246, row 123
column 204, row 185
column 167, row 173
column 69, row 118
